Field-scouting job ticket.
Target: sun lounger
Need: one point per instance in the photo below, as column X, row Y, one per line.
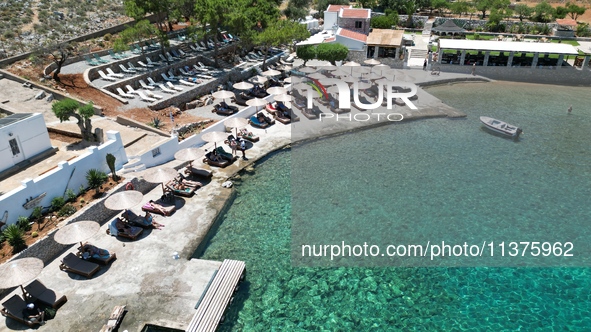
column 200, row 172
column 172, row 75
column 186, row 191
column 165, row 89
column 170, row 57
column 130, row 90
column 216, row 160
column 145, row 86
column 105, row 77
column 123, row 94
column 14, row 307
column 111, row 73
column 114, row 319
column 151, row 82
column 164, row 59
column 99, row 59
column 261, row 121
column 36, row 291
column 166, row 78
column 90, row 61
column 134, row 68
column 183, row 82
column 119, row 228
column 114, row 56
column 134, row 219
column 248, row 135
column 153, row 63
column 125, row 70
column 76, row 265
column 145, row 98
column 183, row 54
column 175, row 53
column 153, row 95
column 172, row 86
column 164, row 208
column 104, row 257
column 183, row 72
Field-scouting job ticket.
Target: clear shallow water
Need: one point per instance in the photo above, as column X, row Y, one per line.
column 279, row 297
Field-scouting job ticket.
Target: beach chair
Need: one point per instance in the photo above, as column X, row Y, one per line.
column 123, row 94
column 184, row 72
column 145, row 98
column 136, row 49
column 114, row 56
column 125, row 70
column 247, row 135
column 77, row 265
column 183, row 54
column 165, row 60
column 165, row 89
column 131, row 90
column 164, row 209
column 145, row 86
column 36, row 291
column 172, row 76
column 103, row 258
column 153, row 95
column 105, row 77
column 114, row 319
column 260, row 120
column 175, row 53
column 180, row 190
column 134, row 68
column 174, row 87
column 119, row 228
column 14, row 307
column 99, row 59
column 153, row 63
column 151, row 82
column 122, row 55
column 199, row 172
column 183, row 82
column 166, row 78
column 90, row 61
column 111, row 73
column 170, row 57
column 145, row 66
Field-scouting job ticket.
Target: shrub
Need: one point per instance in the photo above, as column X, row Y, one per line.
column 107, row 37
column 95, row 179
column 14, row 236
column 81, row 190
column 57, row 203
column 70, row 195
column 111, row 163
column 66, row 210
column 23, row 223
column 34, row 234
column 156, row 123
column 37, row 213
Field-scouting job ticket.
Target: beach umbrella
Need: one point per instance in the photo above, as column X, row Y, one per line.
column 76, row 232
column 19, row 271
column 235, row 122
column 160, row 175
column 383, row 81
column 326, row 82
column 373, row 76
column 307, row 70
column 214, row 136
column 271, row 72
column 124, row 200
column 259, row 79
column 189, row 154
column 356, row 73
column 363, row 85
column 286, row 68
column 283, row 98
column 242, row 86
column 380, row 69
column 349, row 79
column 223, row 94
column 287, row 80
column 329, row 68
column 276, row 90
column 316, row 76
column 352, row 64
column 256, row 102
column 372, row 62
column 363, row 70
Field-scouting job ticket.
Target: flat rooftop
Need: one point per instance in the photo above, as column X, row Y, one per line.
column 502, row 46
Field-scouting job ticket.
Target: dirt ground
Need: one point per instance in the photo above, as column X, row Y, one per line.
column 51, row 220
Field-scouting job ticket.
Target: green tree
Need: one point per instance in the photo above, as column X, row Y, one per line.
column 59, row 53
column 382, row 22
column 321, row 5
column 332, row 52
column 410, row 7
column 297, row 9
column 306, row 52
column 138, row 9
column 523, row 11
column 583, row 30
column 438, row 5
column 483, row 6
column 68, row 108
column 459, row 7
column 574, row 11
column 278, row 33
column 136, row 33
column 543, row 12
column 213, row 13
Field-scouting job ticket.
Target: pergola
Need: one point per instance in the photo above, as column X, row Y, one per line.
column 387, row 42
column 450, row 28
column 507, row 53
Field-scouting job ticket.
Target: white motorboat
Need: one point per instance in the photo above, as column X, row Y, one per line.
column 501, row 127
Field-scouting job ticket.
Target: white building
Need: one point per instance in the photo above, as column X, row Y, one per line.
column 353, row 40
column 331, row 16
column 22, row 136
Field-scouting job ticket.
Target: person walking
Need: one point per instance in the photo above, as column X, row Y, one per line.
column 570, row 109
column 425, row 65
column 243, row 148
column 474, row 69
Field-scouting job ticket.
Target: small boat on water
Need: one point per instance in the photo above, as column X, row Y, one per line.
column 501, row 127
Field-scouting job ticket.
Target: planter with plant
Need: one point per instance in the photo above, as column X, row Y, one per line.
column 95, row 179
column 15, row 237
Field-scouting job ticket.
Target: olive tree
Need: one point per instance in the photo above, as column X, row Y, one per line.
column 68, row 108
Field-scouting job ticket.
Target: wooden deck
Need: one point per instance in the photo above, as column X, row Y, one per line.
column 217, row 296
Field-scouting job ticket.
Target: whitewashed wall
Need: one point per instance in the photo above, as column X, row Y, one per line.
column 31, row 134
column 330, row 20
column 350, row 43
column 68, row 175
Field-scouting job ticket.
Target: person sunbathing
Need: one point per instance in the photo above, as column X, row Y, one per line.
column 182, row 180
column 213, row 156
column 155, row 207
column 149, row 218
column 89, row 251
column 244, row 132
column 33, row 314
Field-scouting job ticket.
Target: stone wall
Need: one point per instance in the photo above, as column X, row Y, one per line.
column 477, row 24
column 349, row 24
column 416, row 20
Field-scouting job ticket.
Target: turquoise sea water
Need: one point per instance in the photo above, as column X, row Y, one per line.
column 552, row 158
